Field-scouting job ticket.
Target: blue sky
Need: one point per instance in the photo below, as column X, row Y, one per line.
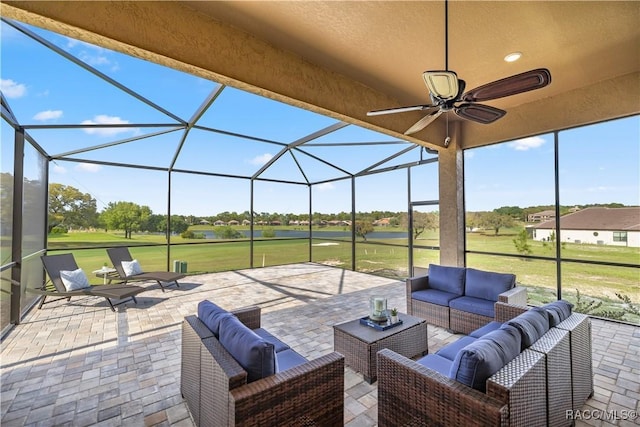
column 599, row 164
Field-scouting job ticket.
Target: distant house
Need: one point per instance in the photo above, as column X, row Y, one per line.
column 597, row 226
column 382, row 222
column 219, row 223
column 203, row 222
column 246, row 222
column 541, row 216
column 233, row 222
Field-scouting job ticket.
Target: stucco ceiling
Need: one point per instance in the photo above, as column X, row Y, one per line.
column 343, row 58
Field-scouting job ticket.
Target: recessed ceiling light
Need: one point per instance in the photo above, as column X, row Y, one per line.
column 512, row 57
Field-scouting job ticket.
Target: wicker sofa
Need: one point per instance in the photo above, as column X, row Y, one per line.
column 548, row 377
column 460, row 299
column 222, row 387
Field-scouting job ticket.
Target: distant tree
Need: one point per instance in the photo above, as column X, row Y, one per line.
column 514, row 212
column 495, row 221
column 422, row 221
column 154, row 223
column 522, row 243
column 6, row 202
column 472, row 220
column 363, row 227
column 71, row 208
column 178, row 224
column 126, row 216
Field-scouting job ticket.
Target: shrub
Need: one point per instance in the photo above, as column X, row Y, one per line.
column 59, row 229
column 189, row 234
column 268, row 233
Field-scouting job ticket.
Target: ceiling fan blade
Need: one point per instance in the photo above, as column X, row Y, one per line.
column 398, row 110
column 424, row 122
column 480, row 113
column 529, row 80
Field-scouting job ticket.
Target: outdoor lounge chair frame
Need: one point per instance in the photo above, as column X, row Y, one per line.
column 54, row 287
column 164, row 278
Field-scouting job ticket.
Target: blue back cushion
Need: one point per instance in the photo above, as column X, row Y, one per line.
column 448, row 279
column 487, row 285
column 478, row 361
column 211, row 315
column 253, row 353
column 558, row 311
column 532, row 324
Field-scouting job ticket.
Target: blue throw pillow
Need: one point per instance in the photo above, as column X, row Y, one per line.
column 532, row 324
column 508, row 339
column 487, row 285
column 558, row 311
column 210, row 314
column 448, row 279
column 475, row 363
column 253, row 353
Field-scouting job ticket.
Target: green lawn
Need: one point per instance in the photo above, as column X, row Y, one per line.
column 389, row 259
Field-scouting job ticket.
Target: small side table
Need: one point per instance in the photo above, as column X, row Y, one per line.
column 106, row 273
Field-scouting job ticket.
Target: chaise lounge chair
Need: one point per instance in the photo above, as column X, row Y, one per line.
column 121, row 254
column 63, row 272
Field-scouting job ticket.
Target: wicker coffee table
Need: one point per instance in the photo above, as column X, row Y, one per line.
column 359, row 343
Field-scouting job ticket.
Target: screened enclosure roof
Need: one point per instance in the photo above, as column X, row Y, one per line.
column 83, row 103
column 341, row 59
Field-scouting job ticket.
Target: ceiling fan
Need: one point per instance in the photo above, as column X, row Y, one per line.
column 447, row 93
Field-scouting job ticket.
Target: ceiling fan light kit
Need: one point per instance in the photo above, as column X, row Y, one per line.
column 441, row 84
column 447, row 93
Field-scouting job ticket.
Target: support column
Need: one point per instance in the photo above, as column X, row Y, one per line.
column 451, row 186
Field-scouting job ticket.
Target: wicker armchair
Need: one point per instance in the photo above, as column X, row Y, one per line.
column 410, row 394
column 215, row 386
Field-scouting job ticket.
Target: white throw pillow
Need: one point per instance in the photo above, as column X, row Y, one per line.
column 131, row 268
column 74, row 279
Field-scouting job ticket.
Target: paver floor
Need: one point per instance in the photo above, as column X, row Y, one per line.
column 80, row 364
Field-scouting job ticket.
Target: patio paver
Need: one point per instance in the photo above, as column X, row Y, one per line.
column 80, row 364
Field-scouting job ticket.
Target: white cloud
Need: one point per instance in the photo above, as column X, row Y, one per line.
column 262, row 159
column 59, row 169
column 93, row 55
column 103, row 119
column 12, row 89
column 527, row 143
column 48, row 115
column 326, row 186
column 88, row 167
column 600, row 189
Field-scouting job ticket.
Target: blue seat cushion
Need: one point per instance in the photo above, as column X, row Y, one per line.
column 253, row 353
column 487, row 285
column 211, row 315
column 434, row 296
column 447, row 279
column 479, row 306
column 558, row 311
column 436, row 363
column 450, row 351
column 277, row 344
column 288, row 359
column 478, row 361
column 483, row 330
column 532, row 324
